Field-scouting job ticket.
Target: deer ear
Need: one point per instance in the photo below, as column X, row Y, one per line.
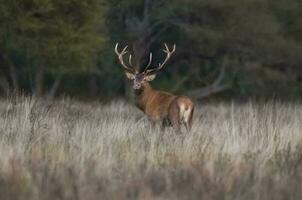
column 130, row 75
column 150, row 77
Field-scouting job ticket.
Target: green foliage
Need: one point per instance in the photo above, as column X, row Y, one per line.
column 64, row 37
column 55, row 34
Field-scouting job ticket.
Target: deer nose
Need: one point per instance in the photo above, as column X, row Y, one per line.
column 136, row 86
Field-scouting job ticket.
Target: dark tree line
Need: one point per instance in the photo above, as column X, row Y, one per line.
column 231, row 48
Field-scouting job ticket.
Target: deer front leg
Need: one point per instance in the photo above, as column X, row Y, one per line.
column 165, row 122
column 174, row 117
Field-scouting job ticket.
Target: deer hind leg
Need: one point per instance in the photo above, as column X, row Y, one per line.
column 185, row 111
column 165, row 123
column 185, row 115
column 173, row 116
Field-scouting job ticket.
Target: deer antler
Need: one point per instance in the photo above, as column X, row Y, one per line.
column 160, row 65
column 120, row 57
column 130, row 60
column 150, row 61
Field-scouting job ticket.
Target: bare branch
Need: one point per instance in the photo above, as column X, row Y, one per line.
column 220, row 77
column 207, row 91
column 55, row 87
column 180, row 83
column 217, row 86
column 159, row 31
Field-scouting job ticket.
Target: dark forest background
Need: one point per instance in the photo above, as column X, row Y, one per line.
column 225, row 49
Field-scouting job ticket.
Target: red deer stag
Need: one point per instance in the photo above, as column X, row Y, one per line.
column 158, row 105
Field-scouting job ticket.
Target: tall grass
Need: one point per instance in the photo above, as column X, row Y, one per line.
column 74, row 150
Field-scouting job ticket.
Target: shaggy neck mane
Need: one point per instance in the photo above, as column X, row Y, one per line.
column 143, row 95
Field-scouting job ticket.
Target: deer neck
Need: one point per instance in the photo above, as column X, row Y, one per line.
column 143, row 95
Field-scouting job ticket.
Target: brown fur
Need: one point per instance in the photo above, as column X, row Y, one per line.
column 157, row 105
column 164, row 107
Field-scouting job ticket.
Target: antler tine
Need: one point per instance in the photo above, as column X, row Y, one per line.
column 169, row 53
column 150, row 61
column 130, row 60
column 167, row 48
column 160, row 65
column 120, row 57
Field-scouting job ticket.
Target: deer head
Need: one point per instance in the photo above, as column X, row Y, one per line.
column 147, row 75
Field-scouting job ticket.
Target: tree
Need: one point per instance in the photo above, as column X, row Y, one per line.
column 239, row 33
column 56, row 36
column 141, row 24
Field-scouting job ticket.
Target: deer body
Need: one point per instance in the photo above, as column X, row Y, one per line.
column 154, row 103
column 164, row 107
column 158, row 105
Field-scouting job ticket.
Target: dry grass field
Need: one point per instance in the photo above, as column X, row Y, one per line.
column 72, row 150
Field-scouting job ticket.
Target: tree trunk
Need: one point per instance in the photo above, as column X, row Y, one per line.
column 39, row 82
column 13, row 75
column 55, row 87
column 93, row 85
column 4, row 86
column 10, row 72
